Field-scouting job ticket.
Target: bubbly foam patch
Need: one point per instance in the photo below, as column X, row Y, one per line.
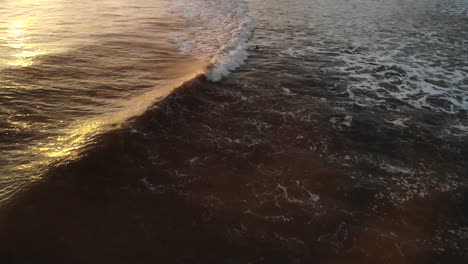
column 407, row 55
column 377, row 76
column 217, row 29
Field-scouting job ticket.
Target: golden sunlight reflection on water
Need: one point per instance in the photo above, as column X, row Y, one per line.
column 65, row 145
column 21, row 48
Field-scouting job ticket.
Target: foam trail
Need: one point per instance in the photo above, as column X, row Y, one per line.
column 219, row 30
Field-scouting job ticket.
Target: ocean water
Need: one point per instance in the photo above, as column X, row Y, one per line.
column 234, row 131
column 72, row 70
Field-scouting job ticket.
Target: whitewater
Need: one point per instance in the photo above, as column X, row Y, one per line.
column 218, row 30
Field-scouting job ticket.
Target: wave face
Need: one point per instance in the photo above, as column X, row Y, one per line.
column 83, row 69
column 90, row 66
column 64, row 83
column 219, row 30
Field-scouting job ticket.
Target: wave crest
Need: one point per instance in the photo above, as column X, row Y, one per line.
column 219, row 30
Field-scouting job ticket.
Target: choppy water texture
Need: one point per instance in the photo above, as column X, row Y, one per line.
column 342, row 139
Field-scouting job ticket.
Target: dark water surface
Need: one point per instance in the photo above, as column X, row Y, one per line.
column 343, row 139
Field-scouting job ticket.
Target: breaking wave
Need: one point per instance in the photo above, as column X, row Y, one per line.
column 218, row 30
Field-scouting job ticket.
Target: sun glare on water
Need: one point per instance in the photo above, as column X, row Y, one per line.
column 21, row 49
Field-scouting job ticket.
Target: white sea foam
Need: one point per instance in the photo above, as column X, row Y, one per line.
column 217, row 29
